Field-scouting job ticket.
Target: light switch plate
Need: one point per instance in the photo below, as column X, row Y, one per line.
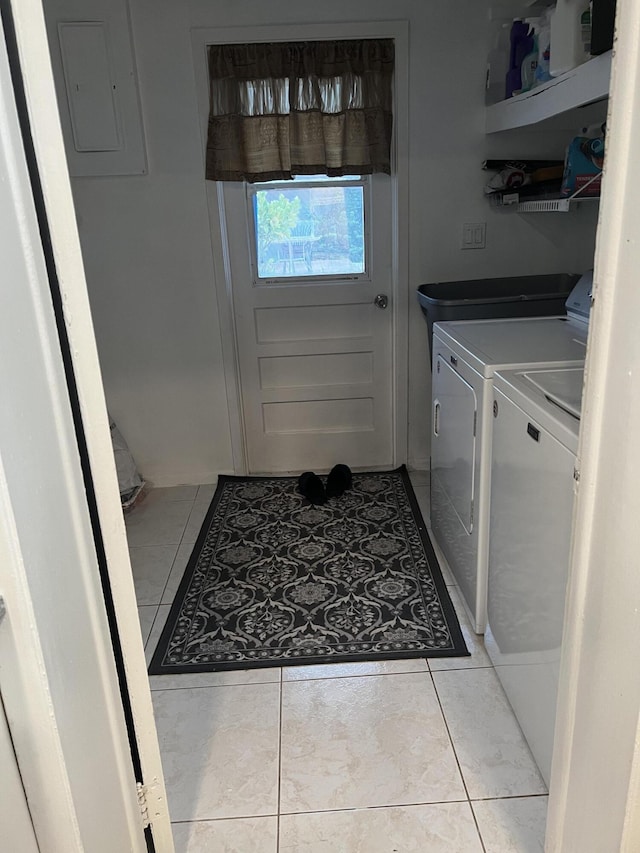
column 474, row 235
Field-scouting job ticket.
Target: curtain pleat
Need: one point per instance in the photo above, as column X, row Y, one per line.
column 303, row 108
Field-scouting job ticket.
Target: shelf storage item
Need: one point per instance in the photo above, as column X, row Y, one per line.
column 544, row 205
column 548, row 205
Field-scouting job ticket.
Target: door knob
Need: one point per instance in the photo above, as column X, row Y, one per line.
column 381, row 300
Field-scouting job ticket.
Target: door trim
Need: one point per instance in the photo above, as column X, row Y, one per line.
column 399, row 32
column 31, row 37
column 595, row 778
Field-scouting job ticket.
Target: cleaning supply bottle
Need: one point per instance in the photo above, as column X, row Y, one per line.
column 497, row 62
column 567, row 49
column 585, row 35
column 529, row 66
column 542, row 74
column 521, row 45
column 530, row 62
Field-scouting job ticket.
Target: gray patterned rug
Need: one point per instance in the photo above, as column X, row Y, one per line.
column 275, row 581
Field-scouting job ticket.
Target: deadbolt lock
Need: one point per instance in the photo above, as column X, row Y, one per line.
column 381, row 300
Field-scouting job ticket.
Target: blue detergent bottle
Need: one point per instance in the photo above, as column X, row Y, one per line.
column 522, row 45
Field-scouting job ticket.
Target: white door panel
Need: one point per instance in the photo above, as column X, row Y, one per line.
column 333, row 322
column 315, row 355
column 296, row 371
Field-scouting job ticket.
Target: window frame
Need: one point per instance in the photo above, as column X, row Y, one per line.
column 251, row 190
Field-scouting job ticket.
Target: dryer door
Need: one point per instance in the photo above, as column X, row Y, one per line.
column 453, row 444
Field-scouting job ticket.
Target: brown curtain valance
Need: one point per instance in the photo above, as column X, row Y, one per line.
column 302, row 108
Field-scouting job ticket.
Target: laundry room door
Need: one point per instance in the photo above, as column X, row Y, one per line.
column 313, row 319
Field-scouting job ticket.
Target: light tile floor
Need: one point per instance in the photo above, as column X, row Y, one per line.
column 410, row 755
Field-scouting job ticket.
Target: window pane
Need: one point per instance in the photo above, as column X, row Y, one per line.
column 309, row 231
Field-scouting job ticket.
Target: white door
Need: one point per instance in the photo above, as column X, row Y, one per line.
column 314, row 341
column 81, row 725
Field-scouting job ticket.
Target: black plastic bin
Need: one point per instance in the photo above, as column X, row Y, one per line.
column 493, row 298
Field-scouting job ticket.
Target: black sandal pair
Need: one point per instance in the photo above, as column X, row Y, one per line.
column 313, row 489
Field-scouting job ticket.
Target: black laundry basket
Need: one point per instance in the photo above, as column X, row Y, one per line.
column 493, row 298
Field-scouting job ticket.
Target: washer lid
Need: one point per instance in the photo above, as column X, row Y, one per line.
column 562, row 387
column 490, row 345
column 551, row 397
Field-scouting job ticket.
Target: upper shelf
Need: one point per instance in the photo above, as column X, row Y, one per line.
column 583, row 85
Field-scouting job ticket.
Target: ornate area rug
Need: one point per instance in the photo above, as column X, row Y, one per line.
column 275, row 581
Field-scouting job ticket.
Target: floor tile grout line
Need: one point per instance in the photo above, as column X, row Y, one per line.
column 186, row 524
column 180, row 544
column 215, row 686
column 164, row 545
column 469, row 799
column 173, row 563
column 507, row 797
column 289, row 680
column 446, row 724
column 153, row 603
column 296, row 680
column 380, row 807
column 455, row 755
column 463, row 668
column 231, row 817
column 281, row 678
column 153, row 622
column 159, row 605
column 209, row 686
column 354, row 674
column 475, row 820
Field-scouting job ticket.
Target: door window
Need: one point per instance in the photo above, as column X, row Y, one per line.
column 309, row 228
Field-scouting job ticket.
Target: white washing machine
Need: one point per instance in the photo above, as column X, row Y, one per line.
column 466, row 355
column 535, row 440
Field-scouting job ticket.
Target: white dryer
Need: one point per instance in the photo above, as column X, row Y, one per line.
column 535, row 440
column 466, row 355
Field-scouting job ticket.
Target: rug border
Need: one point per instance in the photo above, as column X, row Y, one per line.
column 155, row 667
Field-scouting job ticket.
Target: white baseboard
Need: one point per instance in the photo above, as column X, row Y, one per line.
column 419, row 464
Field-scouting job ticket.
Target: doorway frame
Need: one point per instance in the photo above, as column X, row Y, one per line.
column 594, row 801
column 53, row 174
column 398, row 30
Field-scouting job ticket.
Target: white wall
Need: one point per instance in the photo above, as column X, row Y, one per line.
column 146, row 243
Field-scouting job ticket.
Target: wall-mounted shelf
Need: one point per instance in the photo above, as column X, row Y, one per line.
column 549, row 205
column 583, row 85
